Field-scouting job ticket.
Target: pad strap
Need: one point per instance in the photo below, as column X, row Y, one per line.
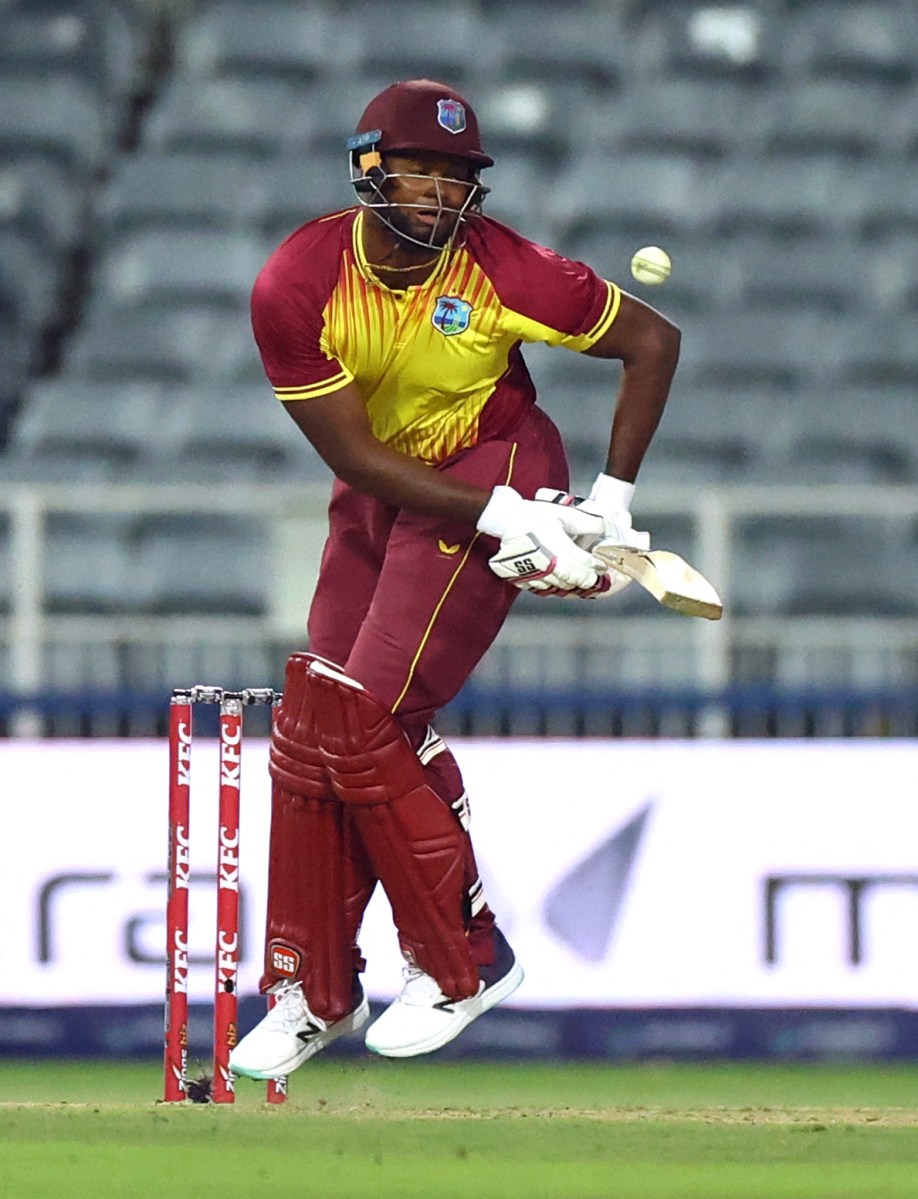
column 413, row 839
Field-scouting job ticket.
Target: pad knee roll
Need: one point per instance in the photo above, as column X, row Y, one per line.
column 295, row 762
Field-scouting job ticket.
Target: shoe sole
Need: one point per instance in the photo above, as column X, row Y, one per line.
column 340, row 1028
column 492, row 996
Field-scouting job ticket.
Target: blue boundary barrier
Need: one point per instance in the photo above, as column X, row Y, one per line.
column 745, row 710
column 610, row 1035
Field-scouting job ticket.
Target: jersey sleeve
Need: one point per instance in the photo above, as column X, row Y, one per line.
column 288, row 302
column 545, row 296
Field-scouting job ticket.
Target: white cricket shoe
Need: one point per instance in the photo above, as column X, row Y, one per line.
column 289, row 1035
column 423, row 1019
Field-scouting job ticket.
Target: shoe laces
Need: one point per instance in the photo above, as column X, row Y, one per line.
column 420, row 989
column 290, row 1007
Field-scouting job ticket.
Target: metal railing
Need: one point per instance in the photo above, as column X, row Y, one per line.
column 593, row 651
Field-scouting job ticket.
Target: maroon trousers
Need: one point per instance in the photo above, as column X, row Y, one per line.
column 407, row 604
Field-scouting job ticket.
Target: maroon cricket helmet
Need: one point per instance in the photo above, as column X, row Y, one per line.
column 421, row 114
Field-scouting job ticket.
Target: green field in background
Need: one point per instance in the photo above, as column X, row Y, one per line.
column 374, row 1128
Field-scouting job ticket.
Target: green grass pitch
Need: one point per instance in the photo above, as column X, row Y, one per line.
column 374, row 1128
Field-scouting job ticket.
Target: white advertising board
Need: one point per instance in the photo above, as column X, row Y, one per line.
column 624, row 873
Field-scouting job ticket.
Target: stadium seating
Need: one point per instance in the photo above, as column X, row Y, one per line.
column 6, row 579
column 152, row 156
column 270, row 41
column 251, row 118
column 442, row 43
column 97, row 41
column 740, row 42
column 14, row 356
column 595, row 194
column 778, row 197
column 854, row 42
column 803, row 274
column 87, row 564
column 857, row 432
column 529, row 119
column 880, row 350
column 58, row 117
column 884, row 200
column 84, row 423
column 175, row 192
column 803, row 566
column 827, row 117
column 721, row 435
column 199, row 565
column 167, row 345
column 234, row 431
column 296, row 189
column 332, row 107
column 33, row 276
column 547, row 43
column 152, row 669
column 211, row 268
column 84, row 667
column 781, row 350
column 716, row 118
column 38, row 201
column 154, row 565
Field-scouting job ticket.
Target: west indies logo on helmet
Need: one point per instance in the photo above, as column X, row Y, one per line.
column 418, row 116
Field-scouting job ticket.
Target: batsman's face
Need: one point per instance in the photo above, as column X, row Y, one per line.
column 427, row 194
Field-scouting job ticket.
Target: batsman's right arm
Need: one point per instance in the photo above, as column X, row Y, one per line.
column 647, row 344
column 338, row 427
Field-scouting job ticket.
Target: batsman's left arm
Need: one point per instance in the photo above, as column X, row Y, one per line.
column 647, row 344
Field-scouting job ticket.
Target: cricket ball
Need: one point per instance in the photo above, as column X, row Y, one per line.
column 651, row 265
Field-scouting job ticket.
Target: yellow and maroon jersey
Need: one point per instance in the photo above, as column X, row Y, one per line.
column 439, row 364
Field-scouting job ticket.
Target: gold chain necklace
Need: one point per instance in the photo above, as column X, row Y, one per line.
column 378, row 266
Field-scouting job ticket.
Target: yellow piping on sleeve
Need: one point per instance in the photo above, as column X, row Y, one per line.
column 335, row 383
column 609, row 313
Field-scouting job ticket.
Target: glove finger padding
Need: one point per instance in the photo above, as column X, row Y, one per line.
column 607, row 584
column 546, row 559
column 586, row 522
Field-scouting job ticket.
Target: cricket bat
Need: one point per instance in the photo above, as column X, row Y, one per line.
column 667, row 577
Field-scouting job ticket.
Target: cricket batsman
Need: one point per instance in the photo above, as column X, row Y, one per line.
column 392, row 331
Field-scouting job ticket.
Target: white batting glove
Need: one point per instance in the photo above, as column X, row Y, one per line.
column 587, row 527
column 603, row 516
column 611, row 498
column 536, row 554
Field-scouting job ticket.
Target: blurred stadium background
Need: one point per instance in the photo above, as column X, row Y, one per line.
column 160, row 517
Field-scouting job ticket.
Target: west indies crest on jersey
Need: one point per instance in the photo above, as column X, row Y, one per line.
column 451, row 315
column 451, row 115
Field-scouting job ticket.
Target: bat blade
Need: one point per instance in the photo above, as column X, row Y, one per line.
column 668, row 578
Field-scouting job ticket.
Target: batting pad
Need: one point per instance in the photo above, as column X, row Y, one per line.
column 319, row 878
column 413, row 840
